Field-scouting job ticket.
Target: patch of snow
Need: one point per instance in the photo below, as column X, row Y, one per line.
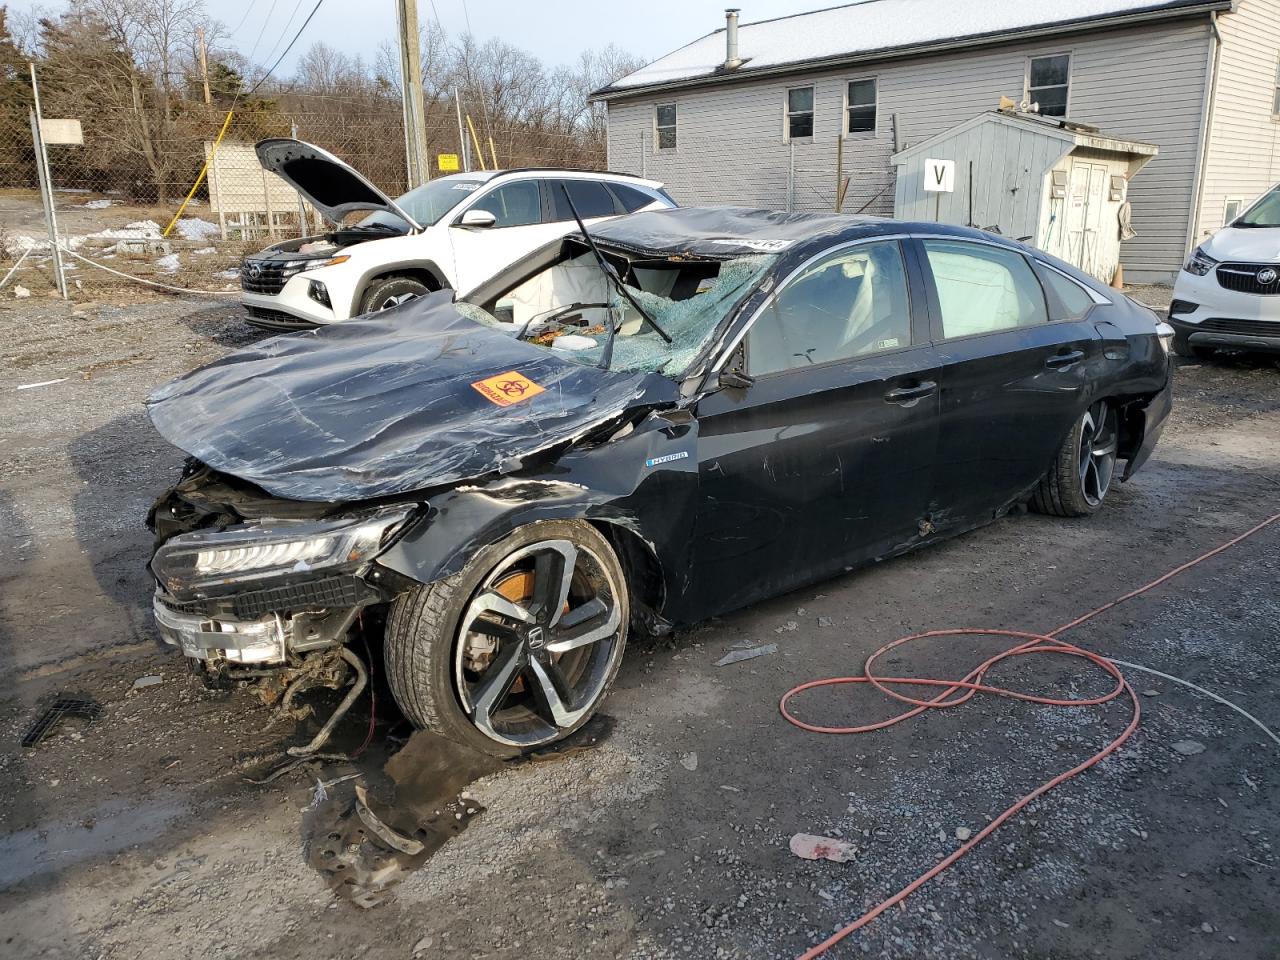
column 169, row 262
column 97, row 204
column 228, row 275
column 205, row 250
column 871, row 26
column 193, row 228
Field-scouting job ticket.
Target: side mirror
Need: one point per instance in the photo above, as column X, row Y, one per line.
column 477, row 218
column 729, row 379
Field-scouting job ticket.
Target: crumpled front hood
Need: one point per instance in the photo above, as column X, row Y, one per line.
column 406, row 399
column 1248, row 244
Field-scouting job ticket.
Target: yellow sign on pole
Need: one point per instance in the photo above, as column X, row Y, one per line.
column 448, row 162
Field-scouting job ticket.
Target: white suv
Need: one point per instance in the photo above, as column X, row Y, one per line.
column 454, row 231
column 1228, row 293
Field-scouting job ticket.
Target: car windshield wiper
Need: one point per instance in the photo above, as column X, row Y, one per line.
column 606, row 355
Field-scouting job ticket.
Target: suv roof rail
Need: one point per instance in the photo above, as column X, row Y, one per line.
column 611, row 173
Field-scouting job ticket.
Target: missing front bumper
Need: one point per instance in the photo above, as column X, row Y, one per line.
column 261, row 642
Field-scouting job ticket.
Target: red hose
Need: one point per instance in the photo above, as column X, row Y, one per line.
column 957, row 692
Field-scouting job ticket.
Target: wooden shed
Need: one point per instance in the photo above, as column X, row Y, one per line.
column 1055, row 183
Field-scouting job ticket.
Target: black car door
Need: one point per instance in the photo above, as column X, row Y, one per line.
column 1014, row 376
column 825, row 458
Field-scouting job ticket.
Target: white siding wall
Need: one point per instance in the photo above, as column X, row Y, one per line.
column 1244, row 150
column 1139, row 83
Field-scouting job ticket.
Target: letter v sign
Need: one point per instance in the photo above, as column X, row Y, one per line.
column 939, row 176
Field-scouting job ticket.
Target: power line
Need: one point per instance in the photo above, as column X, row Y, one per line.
column 314, row 11
column 293, row 17
column 261, row 31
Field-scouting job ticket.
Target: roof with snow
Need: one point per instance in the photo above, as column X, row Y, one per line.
column 874, row 28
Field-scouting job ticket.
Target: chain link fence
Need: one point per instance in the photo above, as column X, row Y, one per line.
column 118, row 197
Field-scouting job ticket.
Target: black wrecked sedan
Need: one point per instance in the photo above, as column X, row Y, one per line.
column 675, row 415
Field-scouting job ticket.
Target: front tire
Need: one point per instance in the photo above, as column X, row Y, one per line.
column 391, row 292
column 1183, row 347
column 519, row 649
column 1081, row 474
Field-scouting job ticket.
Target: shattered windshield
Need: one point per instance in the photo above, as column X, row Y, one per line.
column 1264, row 213
column 568, row 307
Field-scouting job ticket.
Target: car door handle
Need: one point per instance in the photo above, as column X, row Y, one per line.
column 906, row 395
column 1064, row 359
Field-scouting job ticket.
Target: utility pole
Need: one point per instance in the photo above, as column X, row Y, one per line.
column 204, row 67
column 415, row 116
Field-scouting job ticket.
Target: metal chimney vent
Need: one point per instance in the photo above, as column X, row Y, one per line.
column 731, row 59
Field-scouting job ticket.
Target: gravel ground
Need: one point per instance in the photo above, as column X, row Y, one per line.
column 138, row 835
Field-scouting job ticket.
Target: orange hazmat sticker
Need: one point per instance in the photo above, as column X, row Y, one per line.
column 507, row 388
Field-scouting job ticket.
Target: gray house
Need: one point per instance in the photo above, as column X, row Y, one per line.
column 779, row 113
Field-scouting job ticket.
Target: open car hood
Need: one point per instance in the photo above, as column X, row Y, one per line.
column 330, row 185
column 406, row 399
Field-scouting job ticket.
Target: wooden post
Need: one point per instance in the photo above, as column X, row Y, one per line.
column 415, row 118
column 204, row 67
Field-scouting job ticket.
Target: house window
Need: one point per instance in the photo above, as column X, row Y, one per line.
column 1231, row 210
column 665, row 123
column 799, row 112
column 1048, row 82
column 862, row 107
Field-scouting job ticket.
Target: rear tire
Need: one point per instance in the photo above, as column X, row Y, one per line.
column 391, row 292
column 439, row 679
column 1081, row 474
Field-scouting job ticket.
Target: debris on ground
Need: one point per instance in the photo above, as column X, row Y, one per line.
column 59, row 706
column 21, row 292
column 689, row 761
column 963, row 833
column 42, row 383
column 149, row 681
column 812, row 847
column 1189, row 748
column 734, row 656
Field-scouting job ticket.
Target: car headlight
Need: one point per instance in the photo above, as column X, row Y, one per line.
column 1200, row 263
column 317, row 264
column 254, row 551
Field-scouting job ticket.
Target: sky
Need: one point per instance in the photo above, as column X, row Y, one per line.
column 553, row 30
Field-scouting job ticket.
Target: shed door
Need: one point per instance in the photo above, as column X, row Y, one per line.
column 1086, row 195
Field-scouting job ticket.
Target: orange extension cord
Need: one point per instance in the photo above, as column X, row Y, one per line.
column 972, row 683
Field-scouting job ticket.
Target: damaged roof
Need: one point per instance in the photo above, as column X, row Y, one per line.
column 878, row 28
column 720, row 232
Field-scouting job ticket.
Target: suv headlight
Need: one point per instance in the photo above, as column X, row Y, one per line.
column 1200, row 262
column 303, row 265
column 254, row 551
